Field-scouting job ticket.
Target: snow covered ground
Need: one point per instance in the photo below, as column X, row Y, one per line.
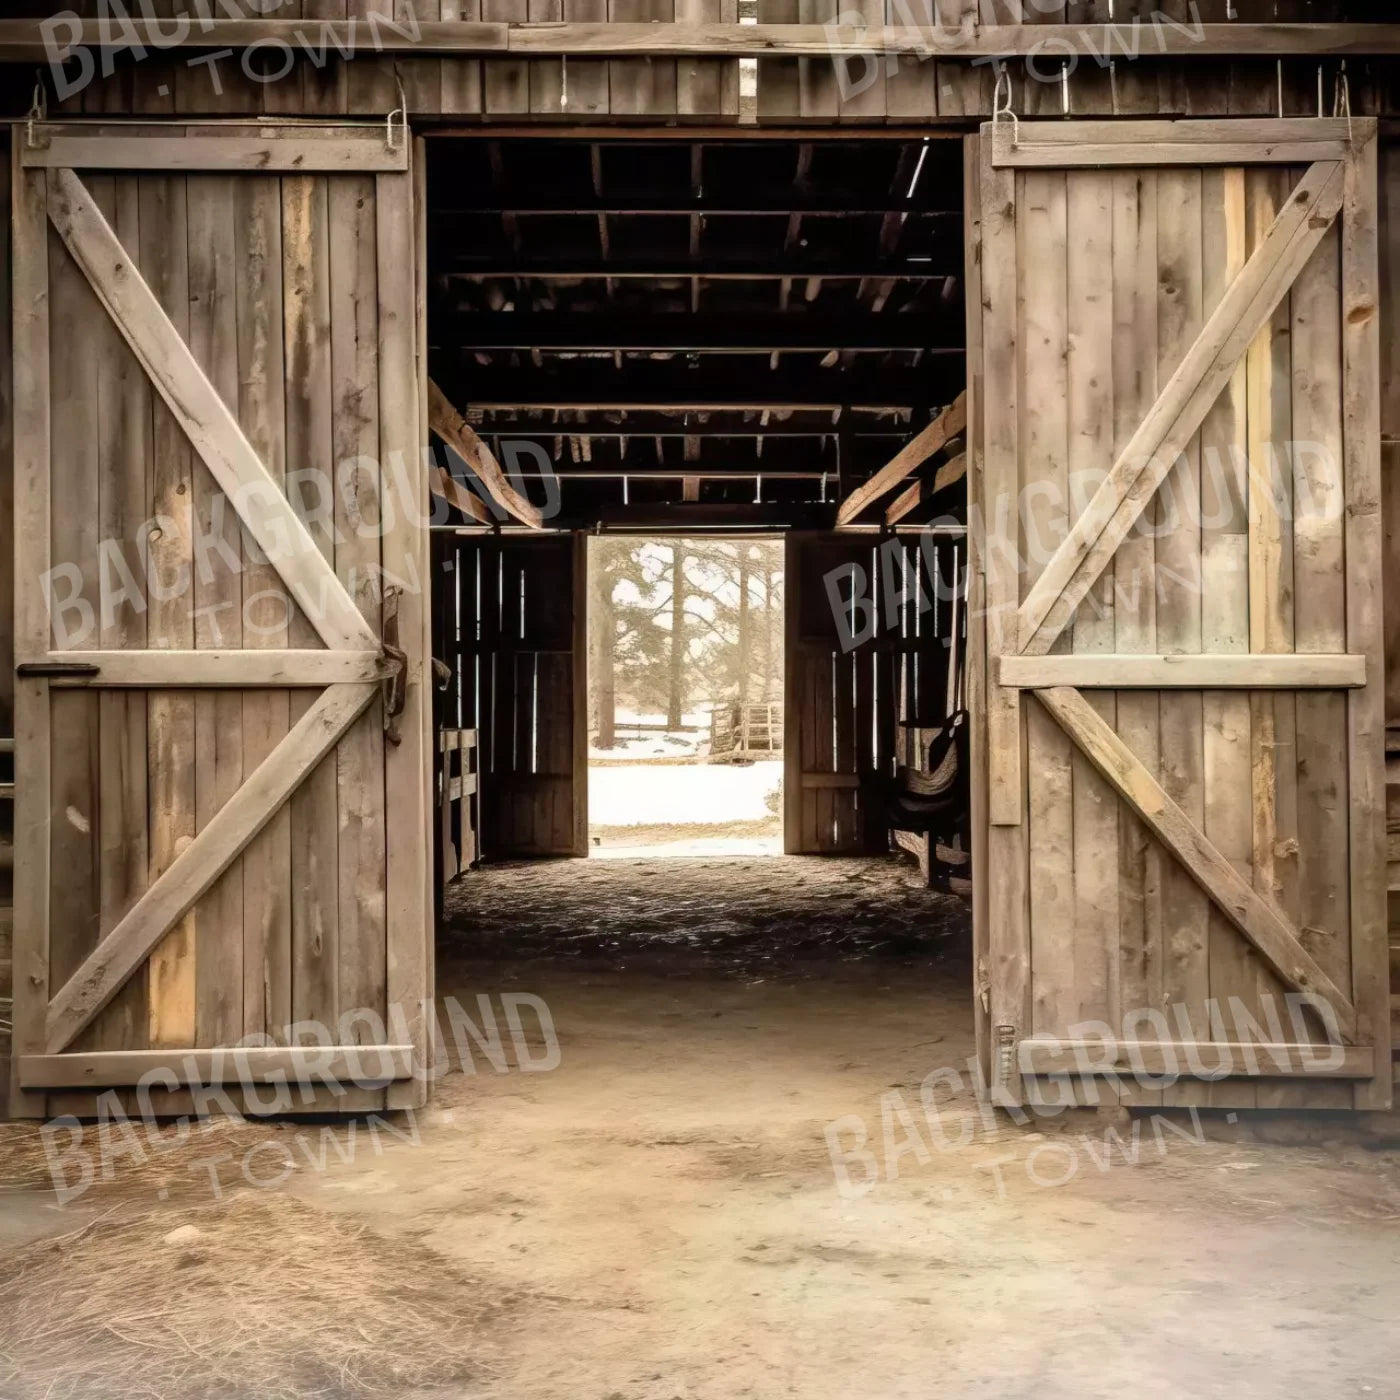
column 682, row 794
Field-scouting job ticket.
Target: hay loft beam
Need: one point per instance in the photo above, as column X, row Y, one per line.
column 24, row 41
column 948, row 424
column 459, row 435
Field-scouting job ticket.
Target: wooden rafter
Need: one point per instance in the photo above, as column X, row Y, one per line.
column 446, row 486
column 26, row 41
column 948, row 424
column 1181, row 407
column 1273, row 936
column 459, row 435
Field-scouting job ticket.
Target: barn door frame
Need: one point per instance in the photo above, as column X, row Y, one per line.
column 357, row 662
column 1340, row 186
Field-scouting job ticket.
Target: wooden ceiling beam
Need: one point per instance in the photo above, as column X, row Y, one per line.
column 948, row 424
column 511, row 330
column 676, row 269
column 25, row 40
column 459, row 435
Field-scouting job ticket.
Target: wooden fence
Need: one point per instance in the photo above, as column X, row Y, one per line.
column 739, row 732
column 457, row 801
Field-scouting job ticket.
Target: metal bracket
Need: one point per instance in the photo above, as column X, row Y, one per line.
column 396, row 683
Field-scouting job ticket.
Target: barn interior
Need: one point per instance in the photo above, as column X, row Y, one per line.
column 691, row 352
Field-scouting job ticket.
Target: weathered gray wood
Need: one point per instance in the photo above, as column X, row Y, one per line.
column 1042, row 145
column 31, row 485
column 336, row 1065
column 948, row 424
column 203, row 414
column 454, row 430
column 305, row 153
column 239, row 669
column 196, row 868
column 1190, row 671
column 1277, row 940
column 1182, row 405
column 23, row 41
column 1364, row 605
column 1043, row 1055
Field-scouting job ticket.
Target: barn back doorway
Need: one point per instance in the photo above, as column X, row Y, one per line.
column 685, row 696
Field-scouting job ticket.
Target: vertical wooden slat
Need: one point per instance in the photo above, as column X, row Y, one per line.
column 1185, row 915
column 1135, row 383
column 359, row 757
column 705, row 87
column 578, row 682
column 505, row 82
column 1268, row 365
column 1225, row 614
column 267, row 863
column 325, row 85
column 642, row 86
column 124, row 416
column 1319, row 624
column 461, row 77
column 976, row 603
column 1366, row 707
column 1043, row 238
column 407, row 764
column 74, row 813
column 779, row 84
column 1009, row 918
column 307, row 351
column 170, row 716
column 218, row 614
column 794, row 691
column 1089, row 302
column 32, row 486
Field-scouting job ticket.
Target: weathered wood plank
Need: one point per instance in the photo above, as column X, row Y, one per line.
column 200, row 863
column 336, row 150
column 459, row 435
column 949, row 424
column 1204, row 370
column 1043, row 1055
column 1276, row 940
column 1185, row 671
column 243, row 1065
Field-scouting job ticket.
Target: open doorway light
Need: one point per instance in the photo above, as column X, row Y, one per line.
column 685, row 696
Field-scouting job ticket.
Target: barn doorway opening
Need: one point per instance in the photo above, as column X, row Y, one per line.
column 685, row 696
column 702, row 356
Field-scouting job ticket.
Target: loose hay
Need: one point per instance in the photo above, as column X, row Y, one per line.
column 272, row 1300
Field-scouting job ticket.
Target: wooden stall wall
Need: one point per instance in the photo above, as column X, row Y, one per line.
column 284, row 305
column 839, row 710
column 518, row 680
column 1261, row 543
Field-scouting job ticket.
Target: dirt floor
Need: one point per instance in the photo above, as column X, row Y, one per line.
column 652, row 1211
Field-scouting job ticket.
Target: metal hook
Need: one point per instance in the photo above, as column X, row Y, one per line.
column 1341, row 101
column 999, row 110
column 401, row 112
column 38, row 111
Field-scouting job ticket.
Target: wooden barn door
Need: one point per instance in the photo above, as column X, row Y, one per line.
column 522, row 645
column 839, row 705
column 222, row 720
column 1178, row 509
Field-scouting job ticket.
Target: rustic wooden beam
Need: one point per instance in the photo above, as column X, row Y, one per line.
column 218, row 844
column 1228, row 671
column 444, row 485
column 1237, row 141
column 512, row 330
column 459, row 435
column 262, row 1064
column 302, row 151
column 1175, row 417
column 710, row 267
column 1272, row 935
column 1041, row 1055
column 241, row 670
column 948, row 424
column 25, row 40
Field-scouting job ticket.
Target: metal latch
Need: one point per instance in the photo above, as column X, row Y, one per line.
column 396, row 683
column 57, row 670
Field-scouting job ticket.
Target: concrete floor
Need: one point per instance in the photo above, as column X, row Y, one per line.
column 658, row 1217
